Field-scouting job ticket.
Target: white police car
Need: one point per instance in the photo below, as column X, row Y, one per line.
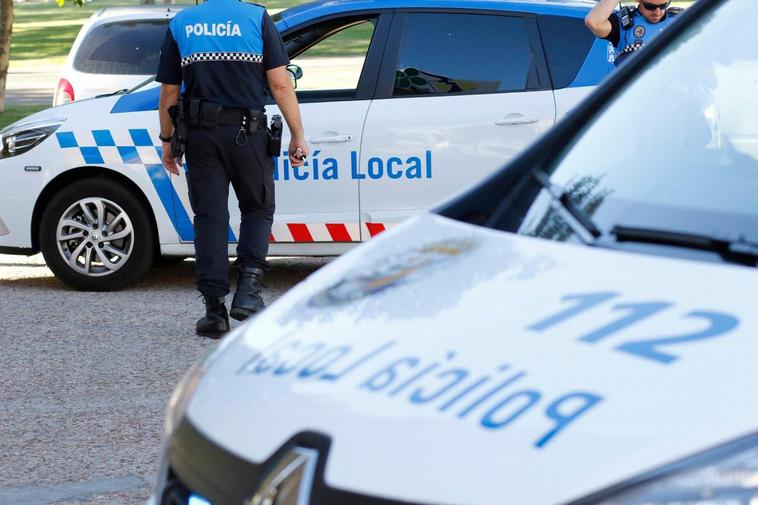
column 470, row 357
column 436, row 95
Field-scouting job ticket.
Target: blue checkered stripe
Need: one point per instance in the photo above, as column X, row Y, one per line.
column 142, row 152
column 139, row 151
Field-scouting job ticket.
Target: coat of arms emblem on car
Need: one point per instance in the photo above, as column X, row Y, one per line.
column 391, row 271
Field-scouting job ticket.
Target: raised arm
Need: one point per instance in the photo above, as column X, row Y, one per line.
column 597, row 19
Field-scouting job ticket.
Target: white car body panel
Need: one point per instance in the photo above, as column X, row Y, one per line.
column 454, row 141
column 567, row 99
column 92, row 85
column 325, row 190
column 356, row 388
column 319, row 216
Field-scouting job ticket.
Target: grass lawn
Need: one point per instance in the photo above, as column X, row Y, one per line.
column 15, row 112
column 44, row 31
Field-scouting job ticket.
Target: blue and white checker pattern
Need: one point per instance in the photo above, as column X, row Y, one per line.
column 243, row 57
column 108, row 147
column 134, row 148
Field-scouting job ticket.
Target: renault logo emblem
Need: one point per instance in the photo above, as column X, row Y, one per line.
column 291, row 480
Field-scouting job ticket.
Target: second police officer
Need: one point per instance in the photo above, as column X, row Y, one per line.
column 226, row 52
column 629, row 28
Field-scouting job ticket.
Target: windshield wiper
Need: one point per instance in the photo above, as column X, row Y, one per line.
column 118, row 92
column 578, row 220
column 738, row 251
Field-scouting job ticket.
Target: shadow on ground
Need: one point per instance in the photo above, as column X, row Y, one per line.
column 283, row 273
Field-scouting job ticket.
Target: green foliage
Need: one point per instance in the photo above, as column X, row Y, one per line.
column 15, row 112
column 280, row 4
column 46, row 31
column 351, row 41
column 586, row 194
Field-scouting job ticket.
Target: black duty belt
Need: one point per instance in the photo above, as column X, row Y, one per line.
column 252, row 121
column 236, row 116
column 205, row 114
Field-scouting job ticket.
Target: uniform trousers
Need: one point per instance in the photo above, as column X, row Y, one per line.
column 214, row 160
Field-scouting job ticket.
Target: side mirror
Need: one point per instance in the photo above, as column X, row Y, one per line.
column 295, row 73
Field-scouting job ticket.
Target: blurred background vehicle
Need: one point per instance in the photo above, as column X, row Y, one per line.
column 118, row 48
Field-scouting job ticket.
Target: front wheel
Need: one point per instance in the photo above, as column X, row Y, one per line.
column 96, row 236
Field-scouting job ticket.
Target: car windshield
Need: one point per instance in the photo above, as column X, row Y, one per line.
column 676, row 150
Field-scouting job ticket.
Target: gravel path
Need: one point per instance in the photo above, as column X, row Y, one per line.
column 85, row 378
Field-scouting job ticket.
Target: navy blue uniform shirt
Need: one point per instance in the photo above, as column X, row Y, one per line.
column 221, row 51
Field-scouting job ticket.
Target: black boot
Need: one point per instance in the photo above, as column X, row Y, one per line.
column 216, row 320
column 247, row 299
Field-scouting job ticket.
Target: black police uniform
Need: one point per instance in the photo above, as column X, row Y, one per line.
column 221, row 51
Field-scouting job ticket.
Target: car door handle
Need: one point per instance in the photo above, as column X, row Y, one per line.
column 515, row 120
column 332, row 139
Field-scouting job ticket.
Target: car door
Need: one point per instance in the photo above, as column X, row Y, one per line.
column 459, row 94
column 339, row 58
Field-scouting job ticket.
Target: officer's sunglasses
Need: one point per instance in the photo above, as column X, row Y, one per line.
column 652, row 7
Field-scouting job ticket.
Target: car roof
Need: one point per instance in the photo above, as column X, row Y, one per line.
column 320, row 8
column 107, row 14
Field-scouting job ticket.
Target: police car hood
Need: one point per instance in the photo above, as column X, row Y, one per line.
column 92, row 108
column 455, row 364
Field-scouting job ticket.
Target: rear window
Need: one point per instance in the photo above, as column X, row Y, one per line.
column 125, row 47
column 567, row 42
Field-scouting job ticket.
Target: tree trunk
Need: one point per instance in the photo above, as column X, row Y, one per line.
column 6, row 29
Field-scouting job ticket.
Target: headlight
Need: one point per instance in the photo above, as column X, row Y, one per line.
column 177, row 405
column 20, row 138
column 724, row 476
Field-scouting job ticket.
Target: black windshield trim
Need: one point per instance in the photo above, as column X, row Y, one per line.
column 733, row 250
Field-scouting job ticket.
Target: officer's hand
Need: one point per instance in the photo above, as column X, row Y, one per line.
column 298, row 146
column 169, row 162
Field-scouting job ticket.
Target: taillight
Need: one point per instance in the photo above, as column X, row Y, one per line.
column 64, row 93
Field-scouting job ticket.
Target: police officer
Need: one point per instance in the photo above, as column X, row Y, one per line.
column 629, row 28
column 226, row 52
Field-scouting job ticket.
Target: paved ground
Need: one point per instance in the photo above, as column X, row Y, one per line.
column 85, row 377
column 31, row 84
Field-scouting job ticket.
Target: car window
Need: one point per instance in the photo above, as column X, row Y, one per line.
column 335, row 61
column 125, row 47
column 678, row 149
column 567, row 42
column 443, row 53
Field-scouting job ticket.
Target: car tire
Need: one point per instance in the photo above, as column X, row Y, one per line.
column 96, row 235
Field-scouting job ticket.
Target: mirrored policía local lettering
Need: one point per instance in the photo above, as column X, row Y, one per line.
column 321, row 167
column 493, row 398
